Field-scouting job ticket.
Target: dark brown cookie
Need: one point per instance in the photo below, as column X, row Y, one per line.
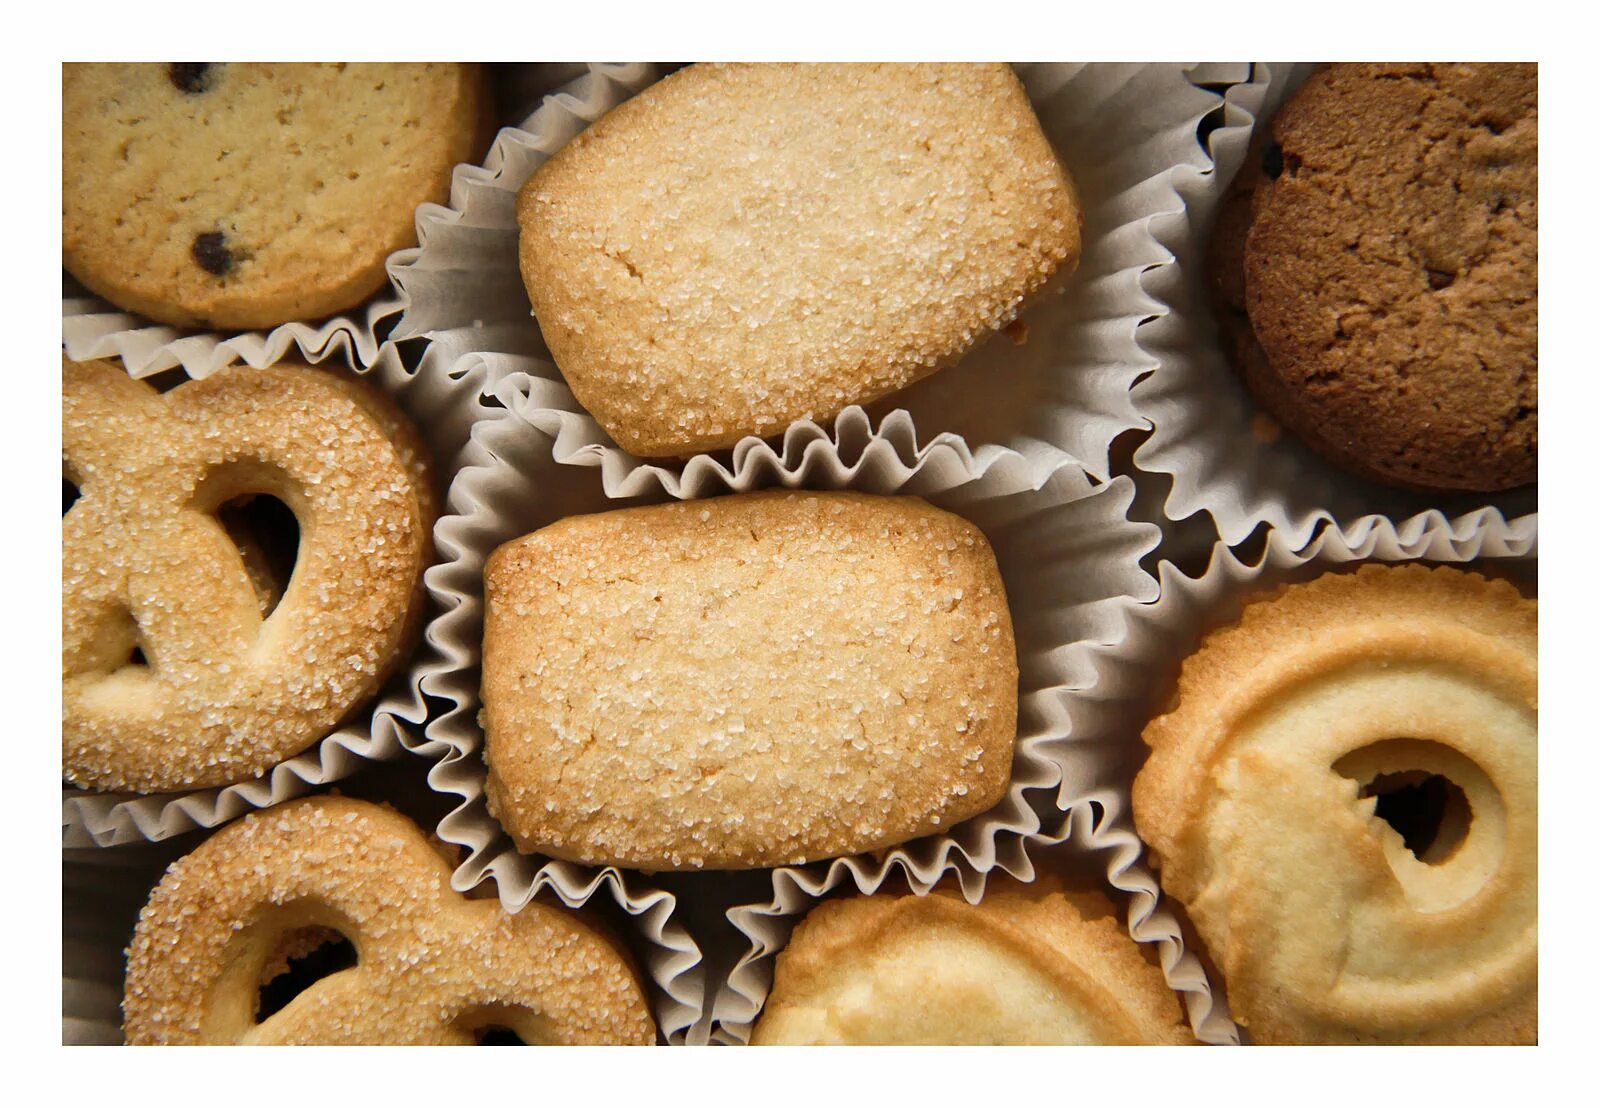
column 1376, row 271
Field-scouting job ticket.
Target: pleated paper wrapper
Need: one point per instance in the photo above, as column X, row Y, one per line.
column 1126, row 133
column 1202, row 417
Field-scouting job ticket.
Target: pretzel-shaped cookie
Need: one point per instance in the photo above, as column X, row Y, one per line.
column 1265, row 799
column 432, row 966
column 226, row 694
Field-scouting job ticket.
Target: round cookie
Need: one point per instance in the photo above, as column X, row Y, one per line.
column 1028, row 964
column 245, row 195
column 1376, row 272
column 1345, row 799
column 432, row 967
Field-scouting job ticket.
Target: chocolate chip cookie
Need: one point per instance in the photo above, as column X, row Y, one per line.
column 235, row 195
column 1376, row 271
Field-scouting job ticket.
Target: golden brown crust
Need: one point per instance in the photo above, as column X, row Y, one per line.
column 1377, row 271
column 1259, row 803
column 742, row 246
column 1033, row 963
column 432, row 968
column 308, row 176
column 748, row 681
column 225, row 694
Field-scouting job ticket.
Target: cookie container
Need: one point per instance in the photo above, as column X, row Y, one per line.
column 1208, row 435
column 443, row 405
column 1066, row 550
column 104, row 890
column 1127, row 135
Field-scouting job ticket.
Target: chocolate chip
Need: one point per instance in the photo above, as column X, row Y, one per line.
column 1440, row 279
column 211, row 253
column 1272, row 161
column 190, row 77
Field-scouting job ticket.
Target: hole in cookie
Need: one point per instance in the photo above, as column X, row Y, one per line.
column 1429, row 812
column 268, row 537
column 495, row 1035
column 1272, row 161
column 303, row 957
column 69, row 495
column 118, row 648
column 190, row 77
column 504, row 1025
column 1440, row 279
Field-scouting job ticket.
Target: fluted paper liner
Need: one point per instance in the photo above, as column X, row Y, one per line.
column 1115, row 688
column 1066, row 550
column 92, row 328
column 443, row 406
column 1202, row 413
column 1127, row 134
column 1088, row 830
column 103, row 891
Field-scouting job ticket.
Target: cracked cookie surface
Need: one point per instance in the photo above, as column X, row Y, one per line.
column 1376, row 271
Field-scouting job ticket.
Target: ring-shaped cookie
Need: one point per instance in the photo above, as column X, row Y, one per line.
column 1261, row 801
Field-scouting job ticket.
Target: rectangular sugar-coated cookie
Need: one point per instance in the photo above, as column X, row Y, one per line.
column 755, row 680
column 742, row 246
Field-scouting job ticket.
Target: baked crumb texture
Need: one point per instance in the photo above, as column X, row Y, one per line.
column 749, row 681
column 243, row 195
column 222, row 693
column 1260, row 801
column 742, row 246
column 1377, row 271
column 1030, row 964
column 433, row 967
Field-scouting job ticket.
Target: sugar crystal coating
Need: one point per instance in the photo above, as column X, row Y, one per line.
column 433, row 966
column 747, row 681
column 145, row 563
column 742, row 246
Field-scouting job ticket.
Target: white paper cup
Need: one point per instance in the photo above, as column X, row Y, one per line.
column 1127, row 134
column 92, row 328
column 1082, row 840
column 1066, row 550
column 1138, row 678
column 443, row 406
column 1201, row 412
column 104, row 890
